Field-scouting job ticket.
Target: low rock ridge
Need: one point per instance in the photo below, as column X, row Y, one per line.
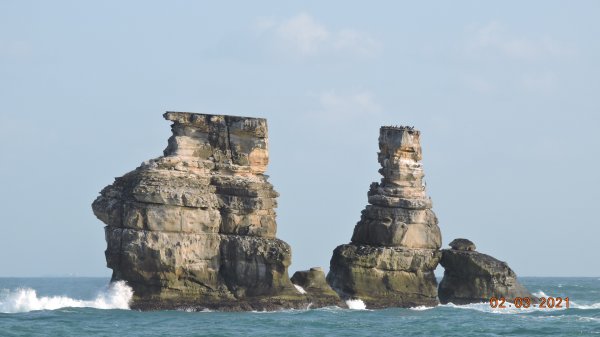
column 395, row 246
column 473, row 277
column 313, row 283
column 195, row 228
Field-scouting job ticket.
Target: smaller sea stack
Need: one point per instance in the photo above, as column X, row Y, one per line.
column 473, row 277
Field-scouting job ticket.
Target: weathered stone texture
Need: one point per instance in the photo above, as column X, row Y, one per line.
column 314, row 283
column 196, row 227
column 472, row 277
column 395, row 245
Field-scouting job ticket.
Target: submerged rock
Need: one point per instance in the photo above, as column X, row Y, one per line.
column 196, row 227
column 395, row 246
column 473, row 277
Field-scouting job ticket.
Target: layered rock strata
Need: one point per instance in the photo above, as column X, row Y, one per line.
column 395, row 246
column 196, row 227
column 313, row 283
column 473, row 277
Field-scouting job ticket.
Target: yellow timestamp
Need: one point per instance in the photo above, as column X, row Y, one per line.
column 528, row 302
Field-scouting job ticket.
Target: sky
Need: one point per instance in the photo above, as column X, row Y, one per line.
column 505, row 93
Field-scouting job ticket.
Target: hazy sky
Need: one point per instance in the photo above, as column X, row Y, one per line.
column 506, row 95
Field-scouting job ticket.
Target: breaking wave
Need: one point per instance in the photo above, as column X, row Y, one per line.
column 116, row 296
column 485, row 307
column 356, row 304
column 421, row 308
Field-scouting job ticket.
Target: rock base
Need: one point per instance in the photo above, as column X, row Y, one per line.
column 385, row 276
column 266, row 303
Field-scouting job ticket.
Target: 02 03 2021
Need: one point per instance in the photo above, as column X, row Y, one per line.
column 544, row 302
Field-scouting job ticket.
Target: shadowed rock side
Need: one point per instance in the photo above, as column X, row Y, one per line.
column 395, row 246
column 473, row 277
column 196, row 227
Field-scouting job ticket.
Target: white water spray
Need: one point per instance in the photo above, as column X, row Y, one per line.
column 356, row 304
column 116, row 296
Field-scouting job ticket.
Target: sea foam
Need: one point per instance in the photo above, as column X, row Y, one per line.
column 116, row 296
column 356, row 304
column 421, row 308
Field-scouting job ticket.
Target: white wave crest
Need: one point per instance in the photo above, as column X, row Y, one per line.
column 585, row 306
column 116, row 296
column 511, row 309
column 421, row 308
column 485, row 307
column 572, row 304
column 589, row 319
column 356, row 304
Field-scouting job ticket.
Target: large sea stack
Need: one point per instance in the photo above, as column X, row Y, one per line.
column 196, row 227
column 395, row 246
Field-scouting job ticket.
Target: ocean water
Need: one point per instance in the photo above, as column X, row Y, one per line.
column 89, row 307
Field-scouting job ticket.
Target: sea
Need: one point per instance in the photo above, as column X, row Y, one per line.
column 91, row 307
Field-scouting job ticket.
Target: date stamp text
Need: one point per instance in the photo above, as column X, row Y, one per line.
column 529, row 302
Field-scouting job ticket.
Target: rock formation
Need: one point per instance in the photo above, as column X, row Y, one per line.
column 313, row 283
column 472, row 277
column 196, row 227
column 395, row 246
column 462, row 244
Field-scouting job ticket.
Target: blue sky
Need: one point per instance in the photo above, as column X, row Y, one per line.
column 505, row 94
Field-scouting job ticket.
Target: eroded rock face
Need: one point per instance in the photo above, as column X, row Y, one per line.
column 395, row 246
column 196, row 227
column 473, row 277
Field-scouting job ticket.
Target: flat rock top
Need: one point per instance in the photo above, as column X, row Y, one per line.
column 400, row 128
column 178, row 116
column 462, row 244
column 466, row 262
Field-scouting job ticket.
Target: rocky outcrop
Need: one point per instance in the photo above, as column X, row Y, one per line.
column 473, row 277
column 313, row 283
column 395, row 246
column 196, row 227
column 462, row 244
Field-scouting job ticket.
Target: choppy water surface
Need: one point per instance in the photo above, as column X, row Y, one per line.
column 89, row 307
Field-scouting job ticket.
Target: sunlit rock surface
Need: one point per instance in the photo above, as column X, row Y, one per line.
column 313, row 282
column 395, row 246
column 472, row 277
column 196, row 227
